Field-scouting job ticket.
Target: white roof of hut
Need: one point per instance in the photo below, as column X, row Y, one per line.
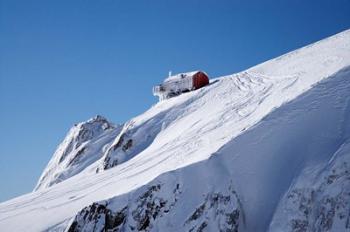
column 180, row 75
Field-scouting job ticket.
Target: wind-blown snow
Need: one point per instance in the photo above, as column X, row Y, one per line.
column 218, row 120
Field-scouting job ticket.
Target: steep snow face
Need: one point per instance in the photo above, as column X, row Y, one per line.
column 320, row 203
column 306, row 141
column 300, row 136
column 190, row 128
column 84, row 144
column 319, row 199
column 196, row 124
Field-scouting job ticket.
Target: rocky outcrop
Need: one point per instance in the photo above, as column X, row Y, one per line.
column 157, row 205
column 138, row 215
column 134, row 138
column 218, row 211
column 92, row 217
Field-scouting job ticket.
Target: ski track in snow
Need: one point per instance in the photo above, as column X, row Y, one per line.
column 193, row 126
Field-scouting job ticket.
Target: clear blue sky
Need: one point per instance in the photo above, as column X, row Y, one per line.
column 62, row 62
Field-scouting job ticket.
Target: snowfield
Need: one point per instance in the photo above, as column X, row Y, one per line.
column 264, row 149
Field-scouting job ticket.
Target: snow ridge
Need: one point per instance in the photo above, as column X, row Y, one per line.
column 84, row 144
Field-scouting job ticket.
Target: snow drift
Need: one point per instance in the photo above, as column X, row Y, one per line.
column 237, row 155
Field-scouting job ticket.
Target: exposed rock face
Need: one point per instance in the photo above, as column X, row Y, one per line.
column 218, row 211
column 83, row 145
column 118, row 152
column 97, row 217
column 156, row 205
column 148, row 208
column 135, row 137
column 140, row 215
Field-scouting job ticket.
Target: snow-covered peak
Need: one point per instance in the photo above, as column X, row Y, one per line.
column 83, row 145
column 94, row 126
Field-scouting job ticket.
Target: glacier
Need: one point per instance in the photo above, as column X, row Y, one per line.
column 266, row 149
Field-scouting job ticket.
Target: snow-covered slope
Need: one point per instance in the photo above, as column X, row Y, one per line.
column 319, row 198
column 239, row 187
column 83, row 145
column 254, row 156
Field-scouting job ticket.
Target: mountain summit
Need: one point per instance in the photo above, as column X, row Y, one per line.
column 83, row 145
column 266, row 149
